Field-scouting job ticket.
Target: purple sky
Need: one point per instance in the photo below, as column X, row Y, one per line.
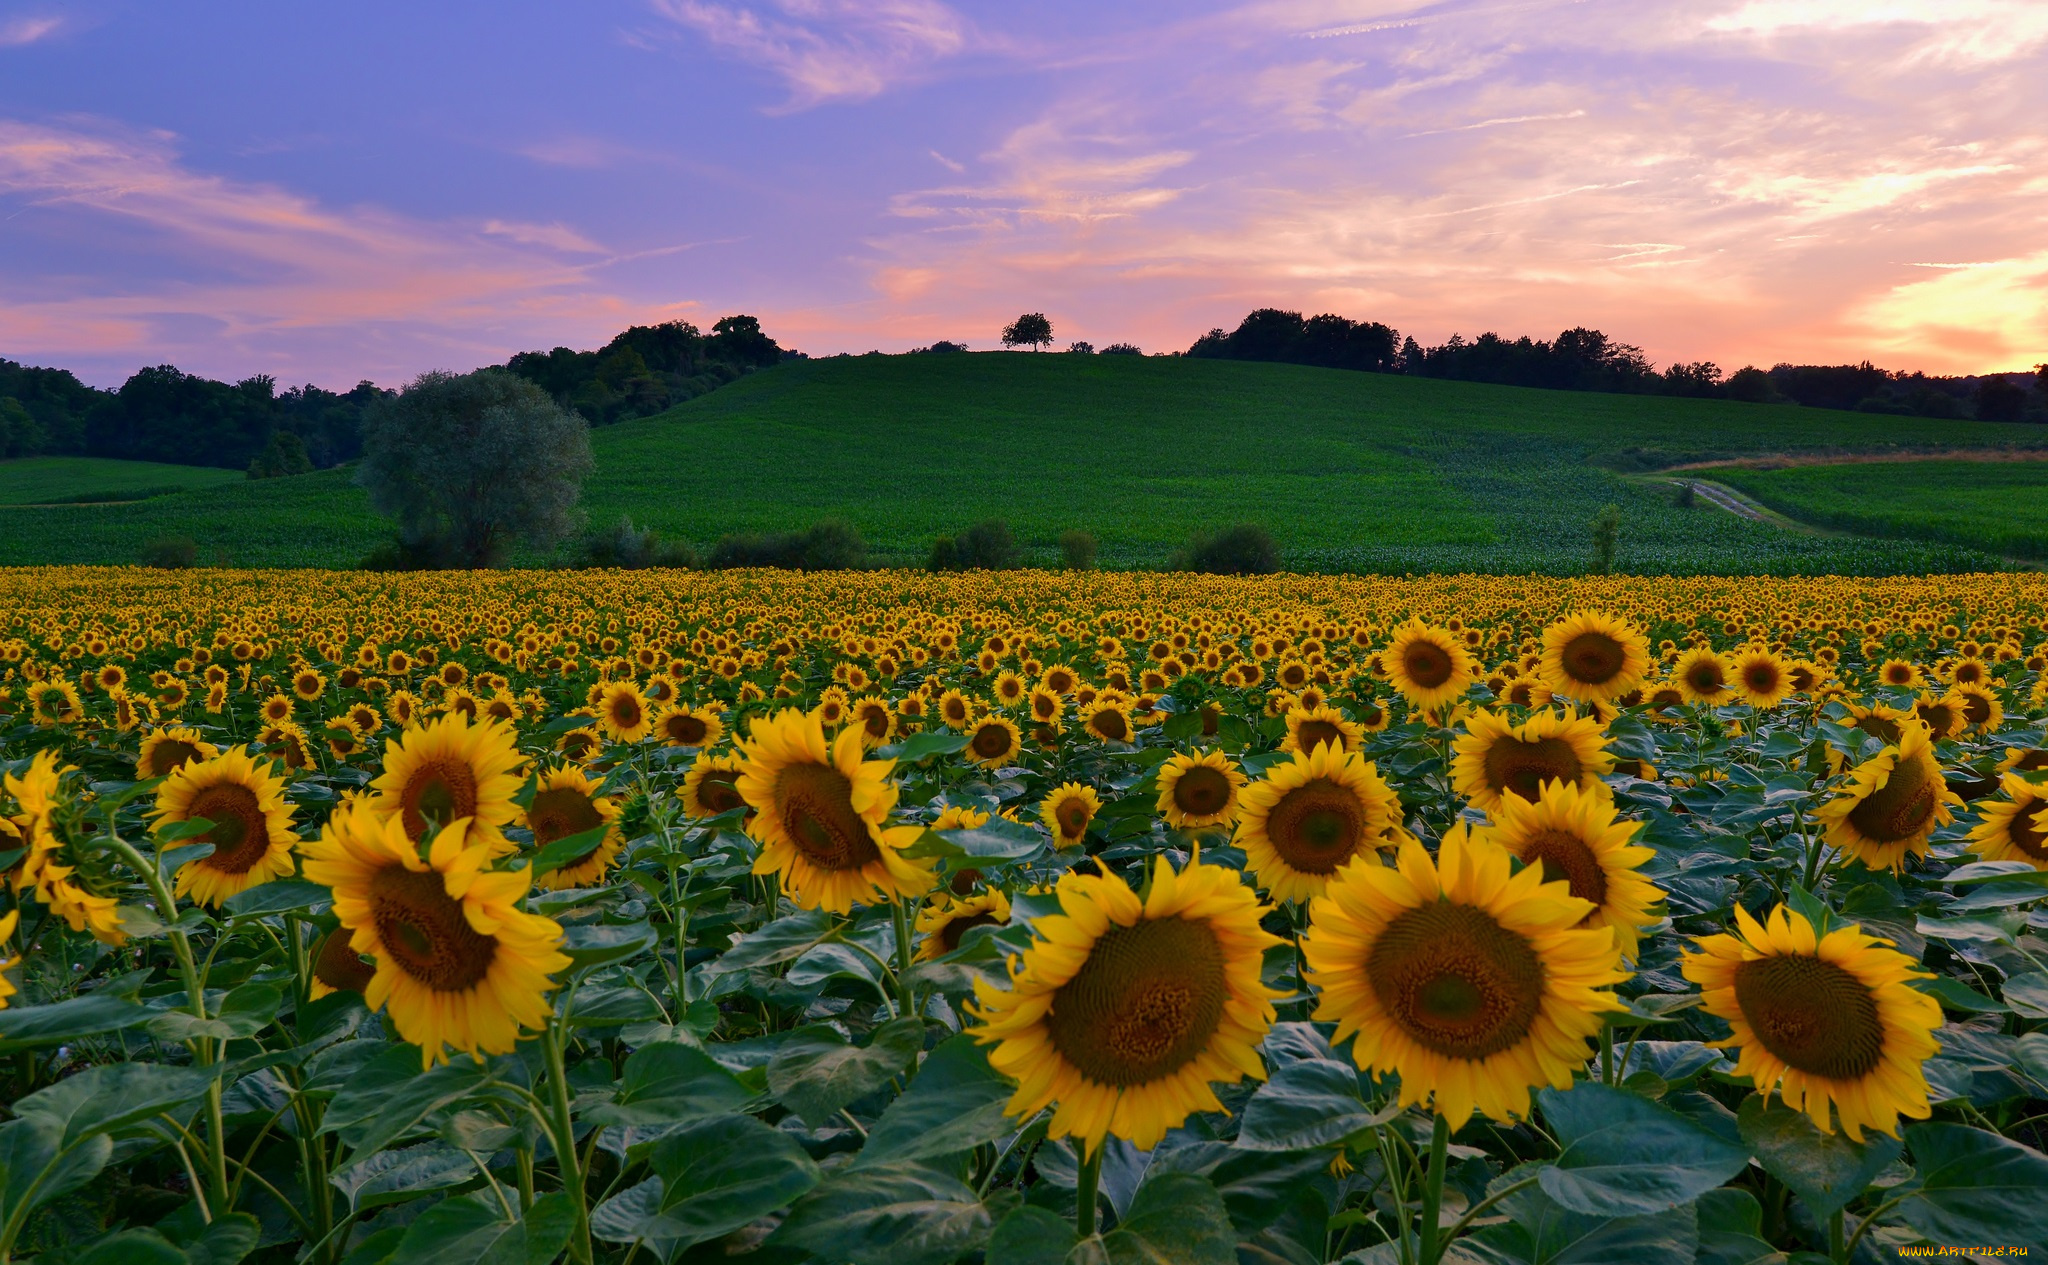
column 330, row 192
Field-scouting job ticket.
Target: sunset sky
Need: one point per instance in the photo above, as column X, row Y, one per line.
column 332, row 192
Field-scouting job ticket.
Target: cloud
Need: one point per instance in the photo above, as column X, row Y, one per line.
column 1949, row 31
column 24, row 31
column 827, row 50
column 242, row 275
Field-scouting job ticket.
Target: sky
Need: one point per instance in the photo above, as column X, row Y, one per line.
column 327, row 193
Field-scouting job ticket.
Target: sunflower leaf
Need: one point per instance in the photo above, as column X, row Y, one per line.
column 1975, row 1187
column 890, row 1214
column 570, row 848
column 25, row 1027
column 815, row 1071
column 954, row 1104
column 1824, row 1170
column 589, row 946
column 1309, row 1103
column 1625, row 1155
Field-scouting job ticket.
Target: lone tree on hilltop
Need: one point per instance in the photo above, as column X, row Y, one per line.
column 1029, row 330
column 470, row 464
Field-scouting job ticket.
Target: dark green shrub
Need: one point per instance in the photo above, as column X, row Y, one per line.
column 1077, row 550
column 833, row 545
column 944, row 555
column 1688, row 492
column 1246, row 549
column 171, row 553
column 633, row 548
column 987, row 546
column 1606, row 529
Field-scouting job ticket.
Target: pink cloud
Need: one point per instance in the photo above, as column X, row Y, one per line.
column 829, row 49
column 25, row 31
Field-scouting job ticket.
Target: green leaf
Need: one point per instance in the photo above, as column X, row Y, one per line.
column 1999, row 928
column 954, row 1103
column 1975, row 1187
column 567, row 849
column 225, row 1241
column 1825, row 1170
column 589, row 946
column 1984, row 871
column 178, row 832
column 668, row 1083
column 1956, row 995
column 1309, row 1103
column 278, row 896
column 1255, row 1185
column 1174, row 1219
column 715, row 1176
column 815, row 1072
column 2028, row 994
column 1731, row 1230
column 390, row 1095
column 1541, row 1231
column 470, row 1230
column 26, row 1027
column 34, row 1169
column 1031, row 1236
column 779, row 941
column 132, row 1247
column 1624, row 1155
column 105, row 1098
column 918, row 748
column 997, row 840
column 888, row 1214
column 396, row 1176
column 249, row 1009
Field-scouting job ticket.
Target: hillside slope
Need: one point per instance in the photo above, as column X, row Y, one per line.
column 1348, row 470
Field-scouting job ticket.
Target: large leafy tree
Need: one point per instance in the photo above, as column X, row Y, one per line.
column 470, row 465
column 1031, row 330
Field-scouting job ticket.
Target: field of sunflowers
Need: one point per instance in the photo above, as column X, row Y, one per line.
column 1021, row 918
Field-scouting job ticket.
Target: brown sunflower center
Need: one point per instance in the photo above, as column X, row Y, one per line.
column 687, row 729
column 719, row 792
column 1314, row 733
column 1976, row 708
column 1761, row 677
column 339, row 966
column 1593, row 658
column 1202, row 791
column 1143, row 1005
column 816, row 805
column 1456, row 981
column 1317, row 826
column 875, row 720
column 1073, row 816
column 1879, row 727
column 1706, row 677
column 1902, row 807
column 169, row 755
column 1898, row 674
column 424, row 931
column 1427, row 664
column 949, row 935
column 1813, row 1014
column 2029, row 830
column 240, row 835
column 990, row 741
column 560, row 812
column 1564, row 856
column 1940, row 717
column 626, row 711
column 1523, row 767
column 1110, row 723
column 441, row 790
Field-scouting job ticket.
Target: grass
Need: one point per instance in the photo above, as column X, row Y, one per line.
column 1999, row 507
column 1349, row 471
column 57, row 480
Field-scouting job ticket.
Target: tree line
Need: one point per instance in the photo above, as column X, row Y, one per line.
column 1581, row 359
column 163, row 414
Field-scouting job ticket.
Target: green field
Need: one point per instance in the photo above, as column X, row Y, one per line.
column 1350, row 471
column 48, row 480
column 2001, row 507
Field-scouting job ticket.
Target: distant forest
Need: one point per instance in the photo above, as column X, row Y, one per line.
column 162, row 414
column 1587, row 360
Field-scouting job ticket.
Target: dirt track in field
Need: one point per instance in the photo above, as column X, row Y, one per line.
column 1781, row 461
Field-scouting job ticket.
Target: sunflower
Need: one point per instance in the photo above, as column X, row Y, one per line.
column 288, row 744
column 276, row 709
column 459, row 963
column 623, row 712
column 712, row 787
column 1067, row 811
column 1942, row 716
column 252, row 824
column 566, row 802
column 1124, row 1011
column 8, row 922
column 818, row 814
column 1046, row 704
column 1429, row 666
column 1900, row 673
column 2027, row 761
column 1474, row 985
column 1310, row 727
column 163, row 750
column 875, row 720
column 1702, row 677
column 56, row 703
column 1495, row 757
column 1593, row 657
column 1372, row 717
column 337, row 967
column 1201, row 790
column 1311, row 816
column 679, row 725
column 1574, row 835
column 448, row 770
column 1760, row 678
column 994, row 741
column 1878, row 721
column 1979, row 706
column 1821, row 1019
column 1108, row 721
column 955, row 709
column 1893, row 801
column 947, row 916
column 2016, row 827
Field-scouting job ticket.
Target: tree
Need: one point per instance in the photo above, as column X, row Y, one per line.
column 1998, row 400
column 1077, row 550
column 285, row 454
column 1029, row 330
column 471, row 464
column 20, row 434
column 1606, row 531
column 1246, row 549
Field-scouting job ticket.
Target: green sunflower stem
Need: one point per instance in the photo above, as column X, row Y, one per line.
column 564, row 1130
column 1433, row 1193
column 1084, row 1191
column 906, row 998
column 1837, row 1250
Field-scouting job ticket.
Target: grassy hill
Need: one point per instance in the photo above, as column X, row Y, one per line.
column 1349, row 471
column 75, row 480
column 2001, row 505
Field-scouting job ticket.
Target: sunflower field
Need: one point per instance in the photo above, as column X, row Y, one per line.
column 1022, row 918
